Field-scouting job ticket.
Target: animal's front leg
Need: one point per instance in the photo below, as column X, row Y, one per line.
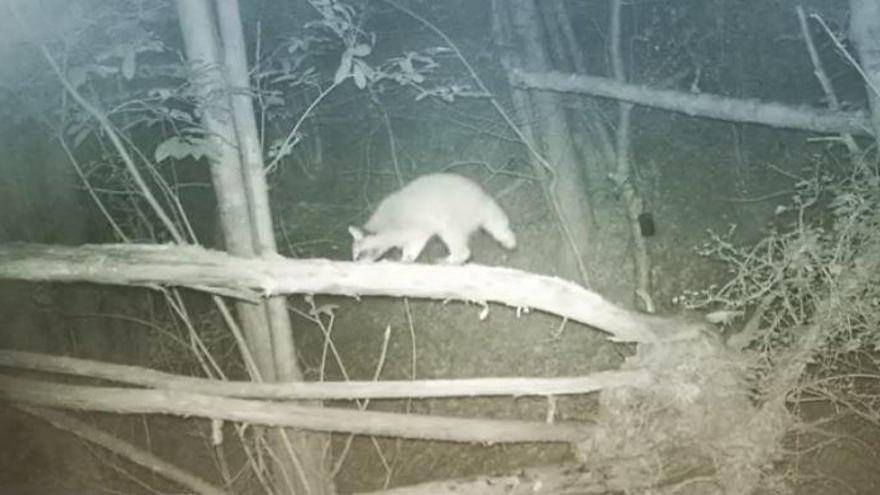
column 457, row 244
column 413, row 248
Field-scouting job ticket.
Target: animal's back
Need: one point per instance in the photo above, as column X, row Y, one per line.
column 436, row 202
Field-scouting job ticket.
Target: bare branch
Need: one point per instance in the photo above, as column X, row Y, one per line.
column 392, row 389
column 702, row 105
column 126, row 450
column 324, row 419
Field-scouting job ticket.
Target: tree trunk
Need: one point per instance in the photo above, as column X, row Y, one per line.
column 864, row 28
column 594, row 148
column 251, row 155
column 546, row 123
column 202, row 51
column 623, row 174
column 309, row 447
column 243, row 206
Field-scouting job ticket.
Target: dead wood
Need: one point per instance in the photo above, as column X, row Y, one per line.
column 747, row 111
column 326, row 419
column 569, row 479
column 124, row 449
column 562, row 479
column 390, row 389
column 169, row 265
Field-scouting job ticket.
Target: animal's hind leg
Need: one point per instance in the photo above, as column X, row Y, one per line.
column 457, row 244
column 412, row 248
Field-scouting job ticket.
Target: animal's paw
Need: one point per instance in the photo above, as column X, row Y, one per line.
column 455, row 259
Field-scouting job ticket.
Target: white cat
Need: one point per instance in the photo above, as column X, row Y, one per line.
column 446, row 205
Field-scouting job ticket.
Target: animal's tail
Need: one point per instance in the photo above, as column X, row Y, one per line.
column 498, row 226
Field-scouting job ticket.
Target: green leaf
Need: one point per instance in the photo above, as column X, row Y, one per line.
column 179, row 147
column 361, row 50
column 344, row 69
column 128, row 64
column 360, row 76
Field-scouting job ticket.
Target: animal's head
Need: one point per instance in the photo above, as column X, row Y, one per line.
column 366, row 246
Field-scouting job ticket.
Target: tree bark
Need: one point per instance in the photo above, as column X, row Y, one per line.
column 349, row 390
column 203, row 54
column 570, row 479
column 254, row 176
column 701, row 105
column 240, row 185
column 864, row 29
column 415, row 426
column 578, row 479
column 824, row 80
column 150, row 265
column 310, row 447
column 623, row 174
column 595, row 147
column 518, row 31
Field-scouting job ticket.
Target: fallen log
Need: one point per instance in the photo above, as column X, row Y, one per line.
column 192, row 266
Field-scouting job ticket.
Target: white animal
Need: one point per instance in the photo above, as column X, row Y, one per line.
column 446, row 205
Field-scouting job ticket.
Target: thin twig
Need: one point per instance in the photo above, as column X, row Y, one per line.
column 843, row 51
column 824, row 80
column 92, row 193
column 294, row 131
column 126, row 450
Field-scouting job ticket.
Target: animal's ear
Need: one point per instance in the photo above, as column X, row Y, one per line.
column 356, row 233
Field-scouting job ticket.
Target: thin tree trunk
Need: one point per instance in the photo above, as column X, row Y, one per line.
column 551, row 12
column 254, row 177
column 594, row 148
column 544, row 117
column 624, row 176
column 864, row 30
column 202, row 51
column 244, row 214
column 309, row 447
column 562, row 20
